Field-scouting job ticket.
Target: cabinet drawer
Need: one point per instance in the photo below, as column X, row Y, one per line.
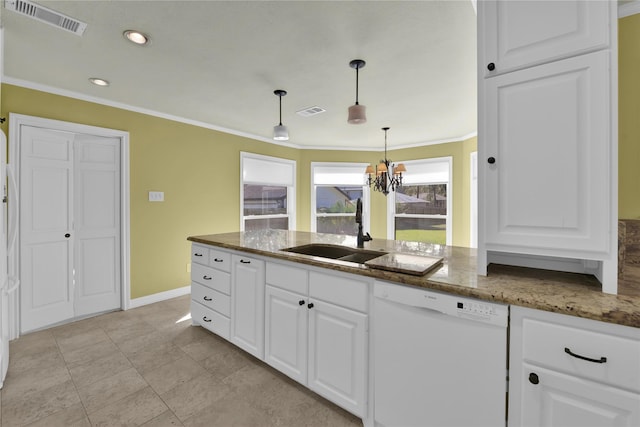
column 220, row 259
column 212, row 278
column 211, row 299
column 549, row 345
column 199, row 254
column 340, row 290
column 211, row 320
column 289, row 278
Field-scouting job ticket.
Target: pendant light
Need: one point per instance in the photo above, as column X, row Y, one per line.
column 388, row 176
column 280, row 132
column 357, row 112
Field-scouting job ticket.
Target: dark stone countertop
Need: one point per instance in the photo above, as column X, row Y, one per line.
column 566, row 293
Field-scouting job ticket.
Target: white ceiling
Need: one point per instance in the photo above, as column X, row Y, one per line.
column 217, row 63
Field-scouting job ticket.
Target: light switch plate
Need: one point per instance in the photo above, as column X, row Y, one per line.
column 156, row 196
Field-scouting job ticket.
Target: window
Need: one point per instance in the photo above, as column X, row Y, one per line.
column 267, row 192
column 420, row 210
column 335, row 188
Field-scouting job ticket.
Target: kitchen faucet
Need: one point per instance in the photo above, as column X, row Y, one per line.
column 361, row 237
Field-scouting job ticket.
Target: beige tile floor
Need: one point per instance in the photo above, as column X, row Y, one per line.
column 148, row 366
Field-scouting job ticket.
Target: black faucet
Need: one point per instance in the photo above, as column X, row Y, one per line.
column 361, row 237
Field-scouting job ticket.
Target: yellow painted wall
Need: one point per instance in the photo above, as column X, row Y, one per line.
column 192, row 165
column 629, row 117
column 199, row 170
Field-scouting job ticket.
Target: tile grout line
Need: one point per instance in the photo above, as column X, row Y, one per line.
column 75, row 386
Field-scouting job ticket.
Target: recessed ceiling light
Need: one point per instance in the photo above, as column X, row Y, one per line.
column 137, row 37
column 99, row 82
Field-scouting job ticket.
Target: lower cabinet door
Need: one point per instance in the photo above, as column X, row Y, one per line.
column 247, row 305
column 286, row 323
column 337, row 355
column 554, row 399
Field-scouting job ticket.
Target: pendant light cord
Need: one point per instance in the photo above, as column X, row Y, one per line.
column 280, row 96
column 357, row 85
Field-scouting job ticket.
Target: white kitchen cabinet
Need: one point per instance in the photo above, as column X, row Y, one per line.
column 338, row 355
column 547, row 158
column 210, row 290
column 247, row 304
column 567, row 371
column 547, row 136
column 316, row 332
column 519, row 34
column 286, row 324
column 563, row 400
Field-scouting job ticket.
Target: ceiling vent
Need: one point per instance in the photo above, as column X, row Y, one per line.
column 310, row 111
column 43, row 14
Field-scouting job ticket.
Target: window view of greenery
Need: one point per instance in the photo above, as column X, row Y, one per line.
column 335, row 209
column 265, row 200
column 421, row 213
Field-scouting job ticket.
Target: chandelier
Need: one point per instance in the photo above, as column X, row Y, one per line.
column 388, row 176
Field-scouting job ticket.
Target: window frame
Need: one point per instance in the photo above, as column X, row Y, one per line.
column 414, row 165
column 349, row 167
column 289, row 183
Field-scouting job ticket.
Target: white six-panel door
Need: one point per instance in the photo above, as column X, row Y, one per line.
column 97, row 224
column 70, row 227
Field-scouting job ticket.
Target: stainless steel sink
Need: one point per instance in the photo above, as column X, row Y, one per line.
column 342, row 253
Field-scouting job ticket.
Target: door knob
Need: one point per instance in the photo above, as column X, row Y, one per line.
column 491, row 160
column 67, row 235
column 310, row 305
column 491, row 66
column 301, row 302
column 533, row 378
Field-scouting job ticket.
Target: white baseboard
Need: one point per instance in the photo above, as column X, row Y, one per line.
column 160, row 296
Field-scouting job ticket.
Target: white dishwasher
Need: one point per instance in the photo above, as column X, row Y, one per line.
column 439, row 360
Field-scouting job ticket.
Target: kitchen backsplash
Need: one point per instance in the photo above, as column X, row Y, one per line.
column 629, row 257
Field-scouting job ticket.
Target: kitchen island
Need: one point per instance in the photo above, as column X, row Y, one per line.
column 295, row 301
column 565, row 293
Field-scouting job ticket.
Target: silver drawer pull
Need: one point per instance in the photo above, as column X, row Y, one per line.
column 197, row 254
column 218, row 260
column 205, row 319
column 207, row 277
column 206, row 298
column 588, row 359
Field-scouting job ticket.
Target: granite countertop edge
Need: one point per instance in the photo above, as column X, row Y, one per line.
column 565, row 293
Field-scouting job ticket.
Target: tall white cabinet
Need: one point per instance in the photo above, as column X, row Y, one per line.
column 547, row 129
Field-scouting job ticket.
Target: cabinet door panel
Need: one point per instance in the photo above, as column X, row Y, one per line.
column 560, row 400
column 548, row 132
column 286, row 332
column 525, row 33
column 247, row 308
column 337, row 355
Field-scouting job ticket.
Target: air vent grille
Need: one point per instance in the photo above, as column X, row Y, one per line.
column 46, row 15
column 310, row 111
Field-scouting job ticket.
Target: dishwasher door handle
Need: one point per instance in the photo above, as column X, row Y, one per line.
column 409, row 306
